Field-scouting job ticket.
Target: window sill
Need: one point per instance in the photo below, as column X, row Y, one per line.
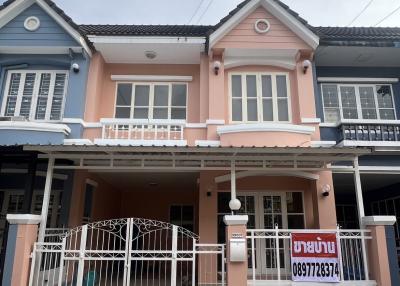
column 35, row 126
column 265, row 127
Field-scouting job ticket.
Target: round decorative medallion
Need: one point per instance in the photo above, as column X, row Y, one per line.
column 262, row 26
column 32, row 23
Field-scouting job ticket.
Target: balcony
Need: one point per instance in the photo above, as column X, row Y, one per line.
column 142, row 132
column 369, row 133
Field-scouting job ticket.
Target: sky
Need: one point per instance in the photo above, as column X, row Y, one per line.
column 316, row 12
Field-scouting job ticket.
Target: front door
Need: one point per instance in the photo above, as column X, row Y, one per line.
column 268, row 211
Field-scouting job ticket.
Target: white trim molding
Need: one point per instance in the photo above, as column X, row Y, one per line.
column 359, row 121
column 80, row 121
column 357, row 79
column 152, row 78
column 215, row 121
column 236, row 219
column 329, row 124
column 317, row 144
column 305, row 120
column 379, row 220
column 35, row 126
column 23, row 219
column 265, row 127
column 207, row 143
column 356, row 143
column 145, row 143
column 80, row 142
column 146, row 40
column 196, row 125
column 289, row 64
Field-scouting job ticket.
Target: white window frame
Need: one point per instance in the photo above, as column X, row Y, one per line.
column 35, row 95
column 259, row 96
column 151, row 99
column 358, row 100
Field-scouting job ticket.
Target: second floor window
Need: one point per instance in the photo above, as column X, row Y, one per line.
column 151, row 101
column 260, row 97
column 366, row 101
column 35, row 95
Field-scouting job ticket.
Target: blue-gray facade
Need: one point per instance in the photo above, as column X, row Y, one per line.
column 333, row 133
column 49, row 35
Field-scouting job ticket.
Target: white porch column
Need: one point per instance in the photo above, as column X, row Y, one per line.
column 234, row 204
column 46, row 200
column 359, row 194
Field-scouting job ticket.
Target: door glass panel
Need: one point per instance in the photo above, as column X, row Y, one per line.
column 272, row 206
column 295, row 221
column 294, row 201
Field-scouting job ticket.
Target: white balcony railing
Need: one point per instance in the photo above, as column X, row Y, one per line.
column 143, row 129
column 269, row 248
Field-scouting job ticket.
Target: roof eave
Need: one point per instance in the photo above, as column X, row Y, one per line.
column 359, row 43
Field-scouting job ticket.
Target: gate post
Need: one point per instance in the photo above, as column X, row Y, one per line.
column 82, row 248
column 22, row 235
column 236, row 248
column 174, row 254
column 380, row 252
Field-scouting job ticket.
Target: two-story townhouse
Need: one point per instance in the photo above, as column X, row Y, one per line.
column 44, row 64
column 358, row 101
column 182, row 127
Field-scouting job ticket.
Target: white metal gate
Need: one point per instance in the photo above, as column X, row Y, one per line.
column 122, row 252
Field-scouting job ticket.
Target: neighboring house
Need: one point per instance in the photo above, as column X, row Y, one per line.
column 358, row 101
column 170, row 129
column 44, row 64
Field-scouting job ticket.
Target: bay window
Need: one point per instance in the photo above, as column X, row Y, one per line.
column 260, row 97
column 35, row 95
column 351, row 101
column 151, row 101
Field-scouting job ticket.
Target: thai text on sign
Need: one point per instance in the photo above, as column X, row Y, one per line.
column 315, row 257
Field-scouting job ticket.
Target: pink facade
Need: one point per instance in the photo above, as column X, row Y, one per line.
column 208, row 98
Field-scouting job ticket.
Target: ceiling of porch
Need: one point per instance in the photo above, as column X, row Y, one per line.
column 151, row 181
column 344, row 183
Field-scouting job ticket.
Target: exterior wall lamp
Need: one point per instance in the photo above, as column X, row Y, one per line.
column 306, row 64
column 326, row 189
column 216, row 67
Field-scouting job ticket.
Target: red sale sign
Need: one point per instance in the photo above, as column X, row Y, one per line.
column 315, row 257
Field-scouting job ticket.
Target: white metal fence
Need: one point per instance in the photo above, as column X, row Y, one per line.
column 127, row 252
column 136, row 129
column 270, row 254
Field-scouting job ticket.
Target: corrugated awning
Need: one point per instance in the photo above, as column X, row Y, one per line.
column 187, row 158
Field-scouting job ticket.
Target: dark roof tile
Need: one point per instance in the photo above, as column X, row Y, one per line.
column 328, row 35
column 145, row 30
